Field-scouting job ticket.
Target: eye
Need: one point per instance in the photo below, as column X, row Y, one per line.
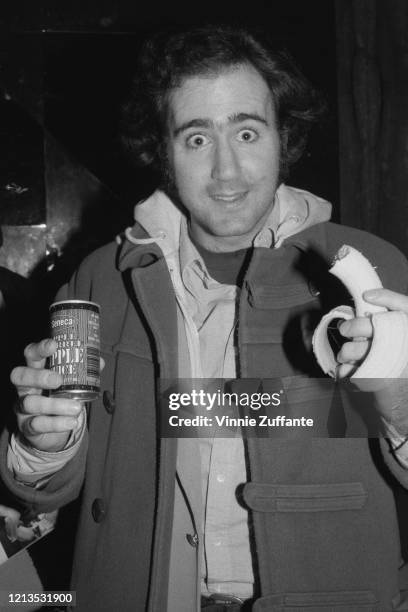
column 197, row 141
column 247, row 135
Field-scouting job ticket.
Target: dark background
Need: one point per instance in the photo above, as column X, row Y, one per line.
column 70, row 70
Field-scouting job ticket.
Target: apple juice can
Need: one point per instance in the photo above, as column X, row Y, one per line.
column 75, row 328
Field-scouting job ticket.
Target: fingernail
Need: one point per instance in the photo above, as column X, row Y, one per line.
column 371, row 294
column 343, row 327
column 49, row 343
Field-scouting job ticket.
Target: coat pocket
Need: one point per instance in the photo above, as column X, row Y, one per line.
column 271, row 297
column 331, row 601
column 136, row 350
column 304, row 497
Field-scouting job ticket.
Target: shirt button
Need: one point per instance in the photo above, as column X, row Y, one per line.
column 192, row 539
column 220, row 478
column 108, row 402
column 98, row 510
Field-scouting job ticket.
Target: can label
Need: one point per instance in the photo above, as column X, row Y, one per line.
column 75, row 328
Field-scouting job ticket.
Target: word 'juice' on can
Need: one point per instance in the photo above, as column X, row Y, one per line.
column 75, row 328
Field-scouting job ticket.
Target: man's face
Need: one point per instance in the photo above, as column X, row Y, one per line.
column 223, row 151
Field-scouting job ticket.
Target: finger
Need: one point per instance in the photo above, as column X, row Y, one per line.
column 352, row 352
column 38, row 404
column 35, row 425
column 359, row 327
column 102, row 363
column 389, row 299
column 37, row 352
column 10, row 524
column 30, row 380
column 10, row 512
column 25, row 534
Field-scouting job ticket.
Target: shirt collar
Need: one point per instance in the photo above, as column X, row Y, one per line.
column 189, row 256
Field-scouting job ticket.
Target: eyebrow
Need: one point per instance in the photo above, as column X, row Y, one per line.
column 208, row 123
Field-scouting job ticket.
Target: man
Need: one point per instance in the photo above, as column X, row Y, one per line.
column 217, row 278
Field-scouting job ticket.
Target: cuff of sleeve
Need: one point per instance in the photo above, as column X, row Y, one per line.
column 30, row 465
column 61, row 488
column 401, row 453
column 398, row 443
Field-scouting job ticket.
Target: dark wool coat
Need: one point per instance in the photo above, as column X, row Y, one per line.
column 325, row 528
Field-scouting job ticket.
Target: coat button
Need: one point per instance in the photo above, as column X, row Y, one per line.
column 108, row 402
column 98, row 510
column 192, row 539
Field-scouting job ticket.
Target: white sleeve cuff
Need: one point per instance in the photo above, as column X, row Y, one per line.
column 30, row 465
column 398, row 443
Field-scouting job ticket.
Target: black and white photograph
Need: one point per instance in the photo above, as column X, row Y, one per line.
column 204, row 306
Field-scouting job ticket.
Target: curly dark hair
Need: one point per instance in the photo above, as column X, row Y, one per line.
column 167, row 59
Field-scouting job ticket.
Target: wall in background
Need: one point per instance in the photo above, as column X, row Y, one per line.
column 372, row 41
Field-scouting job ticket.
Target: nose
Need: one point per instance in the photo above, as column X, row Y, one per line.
column 225, row 162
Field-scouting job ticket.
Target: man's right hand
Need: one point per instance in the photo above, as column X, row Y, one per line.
column 44, row 422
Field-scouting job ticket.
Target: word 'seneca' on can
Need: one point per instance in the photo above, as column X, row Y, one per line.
column 75, row 327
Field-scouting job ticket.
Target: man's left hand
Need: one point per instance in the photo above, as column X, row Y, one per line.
column 360, row 330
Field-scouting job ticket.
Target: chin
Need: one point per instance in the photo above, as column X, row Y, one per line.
column 223, row 229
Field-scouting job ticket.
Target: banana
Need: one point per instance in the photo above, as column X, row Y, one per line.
column 388, row 354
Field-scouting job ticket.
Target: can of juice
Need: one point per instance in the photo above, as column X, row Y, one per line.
column 75, row 327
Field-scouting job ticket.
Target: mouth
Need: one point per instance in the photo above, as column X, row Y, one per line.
column 229, row 198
